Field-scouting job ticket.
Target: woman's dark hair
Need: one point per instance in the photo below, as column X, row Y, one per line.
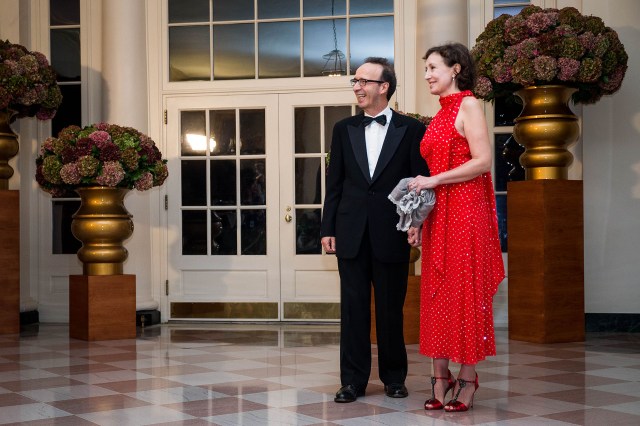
column 388, row 73
column 457, row 53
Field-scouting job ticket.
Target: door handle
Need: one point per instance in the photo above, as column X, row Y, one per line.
column 287, row 217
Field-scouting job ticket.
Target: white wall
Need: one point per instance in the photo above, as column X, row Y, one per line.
column 611, row 174
column 611, row 166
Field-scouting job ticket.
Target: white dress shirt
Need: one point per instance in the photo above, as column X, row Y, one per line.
column 374, row 135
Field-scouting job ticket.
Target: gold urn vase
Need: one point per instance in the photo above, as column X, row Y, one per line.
column 8, row 147
column 102, row 224
column 546, row 127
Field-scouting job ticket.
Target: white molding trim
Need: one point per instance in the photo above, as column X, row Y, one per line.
column 156, row 130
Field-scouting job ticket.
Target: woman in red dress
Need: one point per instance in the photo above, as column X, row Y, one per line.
column 461, row 256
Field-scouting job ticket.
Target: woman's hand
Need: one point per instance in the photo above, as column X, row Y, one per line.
column 419, row 183
column 414, row 236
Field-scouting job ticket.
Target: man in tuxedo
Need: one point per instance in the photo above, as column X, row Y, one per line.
column 370, row 154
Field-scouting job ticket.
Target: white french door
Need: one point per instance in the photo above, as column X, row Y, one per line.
column 310, row 287
column 244, row 205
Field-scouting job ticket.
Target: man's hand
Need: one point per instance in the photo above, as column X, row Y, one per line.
column 414, row 236
column 329, row 244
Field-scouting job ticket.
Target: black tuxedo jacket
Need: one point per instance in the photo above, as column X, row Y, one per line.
column 354, row 201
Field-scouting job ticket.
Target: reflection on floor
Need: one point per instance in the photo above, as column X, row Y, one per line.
column 223, row 374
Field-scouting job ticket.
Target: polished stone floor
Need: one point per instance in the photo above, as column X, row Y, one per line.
column 223, row 374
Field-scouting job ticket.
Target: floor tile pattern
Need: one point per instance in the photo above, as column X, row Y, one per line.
column 248, row 374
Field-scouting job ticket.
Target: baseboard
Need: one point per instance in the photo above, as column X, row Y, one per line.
column 625, row 323
column 151, row 317
column 147, row 318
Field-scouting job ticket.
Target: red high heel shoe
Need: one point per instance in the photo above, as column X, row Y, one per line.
column 433, row 403
column 456, row 406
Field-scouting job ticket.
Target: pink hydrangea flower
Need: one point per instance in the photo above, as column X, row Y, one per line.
column 144, row 182
column 100, row 154
column 568, row 69
column 111, row 175
column 100, row 136
column 70, row 174
column 483, row 87
column 549, row 46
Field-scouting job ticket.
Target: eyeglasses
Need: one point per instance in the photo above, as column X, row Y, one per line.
column 363, row 81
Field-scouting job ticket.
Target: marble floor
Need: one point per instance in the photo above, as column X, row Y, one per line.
column 223, row 374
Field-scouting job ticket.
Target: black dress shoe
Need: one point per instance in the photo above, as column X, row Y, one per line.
column 396, row 390
column 348, row 393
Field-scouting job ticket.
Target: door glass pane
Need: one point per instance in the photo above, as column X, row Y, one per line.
column 216, row 231
column 273, row 9
column 65, row 53
column 308, row 231
column 228, row 182
column 321, row 48
column 236, row 10
column 70, row 111
column 511, row 154
column 307, row 130
column 308, row 189
column 371, row 37
column 194, row 235
column 368, row 6
column 189, row 53
column 279, row 49
column 254, row 232
column 309, row 166
column 233, row 52
column 323, row 7
column 64, row 12
column 188, row 11
column 223, row 182
column 253, row 182
column 333, row 114
column 223, row 132
column 194, row 183
column 502, row 168
column 506, row 109
column 501, row 208
column 193, row 129
column 227, row 242
column 252, row 132
column 62, row 240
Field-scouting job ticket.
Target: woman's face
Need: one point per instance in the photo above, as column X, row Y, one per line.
column 439, row 76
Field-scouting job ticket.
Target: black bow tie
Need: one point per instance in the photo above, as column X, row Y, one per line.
column 381, row 119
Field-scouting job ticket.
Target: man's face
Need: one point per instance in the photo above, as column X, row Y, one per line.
column 372, row 98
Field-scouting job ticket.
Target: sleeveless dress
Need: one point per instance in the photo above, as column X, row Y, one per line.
column 461, row 256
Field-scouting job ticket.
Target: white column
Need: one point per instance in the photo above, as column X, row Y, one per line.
column 439, row 22
column 124, row 86
column 9, row 20
column 124, row 67
column 10, row 30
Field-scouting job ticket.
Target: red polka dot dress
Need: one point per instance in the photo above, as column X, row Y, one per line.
column 461, row 257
